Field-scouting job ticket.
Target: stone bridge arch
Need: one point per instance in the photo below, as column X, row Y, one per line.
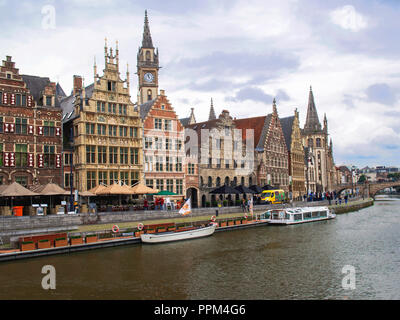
column 375, row 187
column 367, row 189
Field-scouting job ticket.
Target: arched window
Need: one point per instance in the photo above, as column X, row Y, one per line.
column 227, row 181
column 242, row 181
column 235, row 181
column 209, row 183
column 218, row 182
column 318, row 142
column 147, row 55
column 149, row 95
column 250, row 181
column 201, row 181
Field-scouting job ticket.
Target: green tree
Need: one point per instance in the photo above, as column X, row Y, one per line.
column 362, row 178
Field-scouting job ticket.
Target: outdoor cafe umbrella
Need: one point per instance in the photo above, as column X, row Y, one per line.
column 268, row 187
column 142, row 189
column 16, row 190
column 115, row 189
column 225, row 190
column 256, row 189
column 50, row 189
column 166, row 193
column 243, row 189
column 97, row 189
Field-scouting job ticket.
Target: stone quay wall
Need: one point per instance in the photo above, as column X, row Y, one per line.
column 13, row 224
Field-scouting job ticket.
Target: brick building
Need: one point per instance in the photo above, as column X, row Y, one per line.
column 30, row 128
column 163, row 146
column 163, row 133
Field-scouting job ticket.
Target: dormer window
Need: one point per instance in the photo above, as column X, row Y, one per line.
column 111, row 85
column 8, row 75
column 48, row 101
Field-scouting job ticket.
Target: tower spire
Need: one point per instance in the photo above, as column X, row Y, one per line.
column 312, row 121
column 212, row 112
column 274, row 109
column 147, row 41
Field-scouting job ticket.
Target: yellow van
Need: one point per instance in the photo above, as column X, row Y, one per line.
column 273, row 196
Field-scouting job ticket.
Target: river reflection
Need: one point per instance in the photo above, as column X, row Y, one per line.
column 287, row 262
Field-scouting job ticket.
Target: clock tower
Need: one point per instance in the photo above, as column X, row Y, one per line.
column 147, row 67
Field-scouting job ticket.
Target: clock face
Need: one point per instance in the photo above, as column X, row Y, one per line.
column 148, row 77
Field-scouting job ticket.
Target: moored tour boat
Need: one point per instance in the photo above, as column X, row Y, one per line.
column 182, row 234
column 185, row 233
column 297, row 215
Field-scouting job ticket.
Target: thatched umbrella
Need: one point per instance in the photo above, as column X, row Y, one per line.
column 50, row 189
column 115, row 189
column 16, row 190
column 142, row 189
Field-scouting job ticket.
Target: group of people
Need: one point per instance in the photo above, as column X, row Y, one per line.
column 164, row 204
column 333, row 195
column 245, row 205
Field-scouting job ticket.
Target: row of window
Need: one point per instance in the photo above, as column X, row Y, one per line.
column 122, row 109
column 166, row 184
column 227, row 181
column 161, row 164
column 158, row 124
column 94, row 178
column 228, row 163
column 111, row 155
column 21, row 157
column 157, row 143
column 318, row 143
column 21, row 127
column 112, row 130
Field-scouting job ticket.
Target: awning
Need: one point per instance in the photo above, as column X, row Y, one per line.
column 142, row 189
column 16, row 190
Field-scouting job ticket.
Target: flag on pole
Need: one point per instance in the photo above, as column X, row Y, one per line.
column 186, row 208
column 251, row 207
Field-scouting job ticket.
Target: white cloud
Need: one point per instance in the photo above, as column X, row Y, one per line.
column 348, row 18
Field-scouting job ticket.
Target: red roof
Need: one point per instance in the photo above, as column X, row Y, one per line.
column 256, row 123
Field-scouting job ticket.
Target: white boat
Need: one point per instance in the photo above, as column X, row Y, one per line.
column 184, row 234
column 297, row 215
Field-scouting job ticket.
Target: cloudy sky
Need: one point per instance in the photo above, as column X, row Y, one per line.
column 241, row 53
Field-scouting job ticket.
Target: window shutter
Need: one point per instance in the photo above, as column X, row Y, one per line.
column 30, row 160
column 5, row 98
column 6, row 159
column 58, row 131
column 58, row 160
column 12, row 99
column 40, row 160
column 29, row 101
column 12, row 159
column 6, row 127
column 12, row 127
column 40, row 130
column 30, row 129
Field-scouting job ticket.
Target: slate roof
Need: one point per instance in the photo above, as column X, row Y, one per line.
column 185, row 121
column 312, row 122
column 287, row 126
column 67, row 104
column 145, row 108
column 36, row 86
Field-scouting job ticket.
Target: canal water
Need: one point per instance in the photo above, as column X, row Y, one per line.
column 287, row 262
